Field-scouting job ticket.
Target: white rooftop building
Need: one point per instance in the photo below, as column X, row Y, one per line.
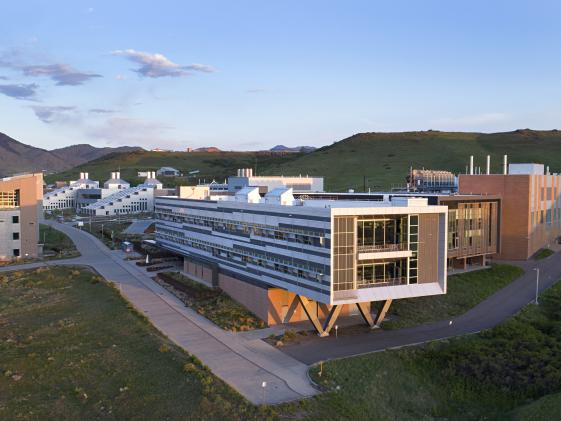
column 125, row 200
column 116, row 182
column 245, row 178
column 65, row 197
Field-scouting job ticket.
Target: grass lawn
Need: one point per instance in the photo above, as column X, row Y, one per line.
column 465, row 291
column 483, row 376
column 71, row 348
column 541, row 410
column 543, row 254
column 56, row 243
column 110, row 232
column 212, row 303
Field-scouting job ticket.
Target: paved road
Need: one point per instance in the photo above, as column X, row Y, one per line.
column 241, row 362
column 500, row 306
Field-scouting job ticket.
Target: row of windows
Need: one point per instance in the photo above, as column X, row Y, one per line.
column 237, row 227
column 282, row 264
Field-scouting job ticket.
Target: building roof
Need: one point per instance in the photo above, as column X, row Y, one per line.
column 118, row 195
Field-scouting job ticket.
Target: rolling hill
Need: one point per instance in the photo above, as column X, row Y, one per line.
column 379, row 160
column 210, row 165
column 16, row 157
column 383, row 159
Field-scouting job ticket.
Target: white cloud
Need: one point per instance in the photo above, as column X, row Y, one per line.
column 156, row 65
column 62, row 74
column 55, row 114
column 20, row 91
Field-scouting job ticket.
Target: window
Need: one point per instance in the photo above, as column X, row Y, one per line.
column 9, row 199
column 15, row 235
column 16, row 252
column 413, row 246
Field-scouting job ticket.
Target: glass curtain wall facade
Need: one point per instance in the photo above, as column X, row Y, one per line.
column 374, row 234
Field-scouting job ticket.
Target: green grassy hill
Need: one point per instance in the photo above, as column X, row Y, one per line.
column 382, row 158
column 218, row 165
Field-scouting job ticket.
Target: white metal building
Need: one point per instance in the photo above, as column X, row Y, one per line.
column 116, row 182
column 122, row 201
column 65, row 197
column 245, row 178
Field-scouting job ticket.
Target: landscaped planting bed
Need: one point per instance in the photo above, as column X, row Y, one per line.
column 213, row 303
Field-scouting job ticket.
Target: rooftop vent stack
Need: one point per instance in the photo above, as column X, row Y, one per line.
column 505, row 164
column 113, row 176
column 118, row 174
column 81, row 176
column 488, row 165
column 471, row 165
column 86, row 175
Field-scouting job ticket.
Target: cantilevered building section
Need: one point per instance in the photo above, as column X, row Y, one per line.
column 289, row 260
column 20, row 211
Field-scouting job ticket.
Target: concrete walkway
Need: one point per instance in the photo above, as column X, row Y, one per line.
column 243, row 363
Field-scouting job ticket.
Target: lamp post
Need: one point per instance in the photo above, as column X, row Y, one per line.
column 537, row 283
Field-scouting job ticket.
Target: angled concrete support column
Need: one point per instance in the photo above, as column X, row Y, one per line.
column 364, row 310
column 291, row 310
column 311, row 316
column 331, row 318
column 382, row 311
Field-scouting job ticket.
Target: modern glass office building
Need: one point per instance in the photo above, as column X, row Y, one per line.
column 288, row 259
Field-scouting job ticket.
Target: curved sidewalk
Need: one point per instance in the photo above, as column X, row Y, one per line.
column 242, row 363
column 498, row 307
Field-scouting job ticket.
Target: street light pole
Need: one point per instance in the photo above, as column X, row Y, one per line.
column 537, row 283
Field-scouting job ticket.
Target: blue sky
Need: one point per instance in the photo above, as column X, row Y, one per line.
column 252, row 74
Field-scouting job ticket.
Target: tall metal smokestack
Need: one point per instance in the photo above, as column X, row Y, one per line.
column 471, row 165
column 488, row 164
column 505, row 164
